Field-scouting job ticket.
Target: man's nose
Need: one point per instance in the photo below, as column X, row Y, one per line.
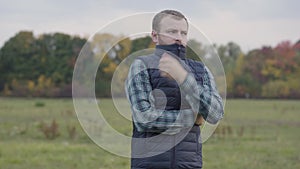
column 178, row 37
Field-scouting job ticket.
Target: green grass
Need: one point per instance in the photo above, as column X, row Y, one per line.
column 253, row 134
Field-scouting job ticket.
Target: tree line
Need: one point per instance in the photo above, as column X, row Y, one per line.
column 42, row 66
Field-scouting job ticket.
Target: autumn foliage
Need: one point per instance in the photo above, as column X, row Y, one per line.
column 43, row 65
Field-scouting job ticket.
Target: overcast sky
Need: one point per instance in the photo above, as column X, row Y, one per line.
column 249, row 23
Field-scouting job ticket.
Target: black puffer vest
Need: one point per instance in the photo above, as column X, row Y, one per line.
column 187, row 153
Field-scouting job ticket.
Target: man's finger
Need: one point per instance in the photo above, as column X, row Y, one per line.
column 165, row 74
column 165, row 55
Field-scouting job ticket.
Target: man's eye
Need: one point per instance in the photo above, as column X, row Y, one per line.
column 172, row 31
column 183, row 33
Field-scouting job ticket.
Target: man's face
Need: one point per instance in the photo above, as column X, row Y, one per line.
column 171, row 31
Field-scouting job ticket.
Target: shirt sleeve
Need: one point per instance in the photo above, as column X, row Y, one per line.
column 204, row 98
column 145, row 116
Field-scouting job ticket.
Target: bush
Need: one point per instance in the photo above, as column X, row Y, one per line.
column 39, row 104
column 50, row 131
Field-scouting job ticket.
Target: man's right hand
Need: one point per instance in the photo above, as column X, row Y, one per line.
column 170, row 67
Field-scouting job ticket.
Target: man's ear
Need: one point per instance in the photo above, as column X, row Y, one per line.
column 154, row 36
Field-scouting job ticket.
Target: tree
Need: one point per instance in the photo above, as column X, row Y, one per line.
column 111, row 50
column 15, row 56
column 141, row 44
column 25, row 58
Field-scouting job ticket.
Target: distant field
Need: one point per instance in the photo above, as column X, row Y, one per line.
column 255, row 134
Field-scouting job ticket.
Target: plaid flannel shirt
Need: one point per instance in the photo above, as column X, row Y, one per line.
column 203, row 99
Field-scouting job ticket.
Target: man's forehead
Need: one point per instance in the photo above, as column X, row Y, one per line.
column 173, row 22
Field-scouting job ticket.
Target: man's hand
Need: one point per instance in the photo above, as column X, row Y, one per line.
column 199, row 120
column 171, row 68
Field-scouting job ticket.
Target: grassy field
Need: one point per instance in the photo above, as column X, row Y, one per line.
column 255, row 134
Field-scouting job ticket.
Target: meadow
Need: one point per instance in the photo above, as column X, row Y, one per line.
column 45, row 133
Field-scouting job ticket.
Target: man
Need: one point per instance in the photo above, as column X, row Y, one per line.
column 170, row 95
